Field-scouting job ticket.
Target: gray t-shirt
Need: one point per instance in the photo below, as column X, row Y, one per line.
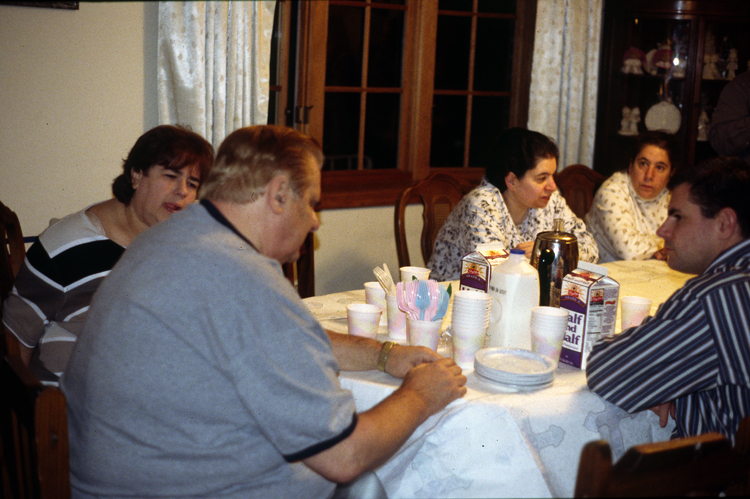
column 201, row 373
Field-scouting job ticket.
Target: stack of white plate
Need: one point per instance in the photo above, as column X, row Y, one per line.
column 515, row 367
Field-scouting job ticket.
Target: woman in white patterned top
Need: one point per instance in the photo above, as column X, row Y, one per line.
column 516, row 200
column 632, row 204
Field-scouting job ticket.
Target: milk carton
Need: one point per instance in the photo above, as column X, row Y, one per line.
column 591, row 300
column 477, row 266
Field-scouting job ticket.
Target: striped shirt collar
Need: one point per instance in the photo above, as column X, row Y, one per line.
column 729, row 256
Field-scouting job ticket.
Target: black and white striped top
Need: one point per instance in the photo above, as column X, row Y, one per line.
column 53, row 289
column 695, row 351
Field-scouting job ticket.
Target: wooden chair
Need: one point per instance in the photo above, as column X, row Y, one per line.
column 33, row 436
column 13, row 250
column 302, row 272
column 578, row 184
column 439, row 193
column 702, row 465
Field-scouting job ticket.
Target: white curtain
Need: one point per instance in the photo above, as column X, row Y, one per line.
column 213, row 65
column 565, row 76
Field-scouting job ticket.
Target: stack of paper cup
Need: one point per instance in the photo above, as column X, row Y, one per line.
column 548, row 326
column 471, row 316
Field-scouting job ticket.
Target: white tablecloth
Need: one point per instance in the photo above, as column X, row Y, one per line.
column 493, row 443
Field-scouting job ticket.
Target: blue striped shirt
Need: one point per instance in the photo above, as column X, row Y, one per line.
column 695, row 351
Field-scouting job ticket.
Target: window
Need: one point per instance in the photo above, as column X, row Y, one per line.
column 394, row 89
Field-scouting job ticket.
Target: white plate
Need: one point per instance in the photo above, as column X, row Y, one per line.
column 663, row 116
column 512, row 387
column 514, row 365
column 511, row 379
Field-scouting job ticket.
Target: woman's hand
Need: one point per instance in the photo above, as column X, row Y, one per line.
column 527, row 248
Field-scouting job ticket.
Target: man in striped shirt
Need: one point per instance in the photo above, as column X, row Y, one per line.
column 692, row 359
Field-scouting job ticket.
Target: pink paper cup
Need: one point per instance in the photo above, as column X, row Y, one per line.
column 363, row 319
column 375, row 295
column 409, row 273
column 423, row 333
column 633, row 309
column 466, row 343
column 396, row 319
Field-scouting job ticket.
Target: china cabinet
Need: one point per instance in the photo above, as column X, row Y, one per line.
column 663, row 66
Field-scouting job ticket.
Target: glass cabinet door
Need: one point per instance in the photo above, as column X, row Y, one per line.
column 648, row 85
column 726, row 54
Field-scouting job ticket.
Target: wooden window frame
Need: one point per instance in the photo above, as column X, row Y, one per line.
column 365, row 188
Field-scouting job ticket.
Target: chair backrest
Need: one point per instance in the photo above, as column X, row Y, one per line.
column 702, row 465
column 12, row 250
column 439, row 193
column 33, row 436
column 302, row 272
column 578, row 184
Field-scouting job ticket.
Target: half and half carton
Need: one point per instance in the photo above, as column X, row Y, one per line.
column 591, row 300
column 477, row 266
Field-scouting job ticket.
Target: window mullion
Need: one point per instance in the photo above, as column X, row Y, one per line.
column 469, row 96
column 363, row 95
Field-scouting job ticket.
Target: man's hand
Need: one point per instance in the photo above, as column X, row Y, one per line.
column 436, row 383
column 664, row 411
column 402, row 358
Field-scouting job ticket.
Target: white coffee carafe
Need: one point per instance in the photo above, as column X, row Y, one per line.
column 514, row 287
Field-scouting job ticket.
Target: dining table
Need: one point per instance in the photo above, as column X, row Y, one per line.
column 497, row 441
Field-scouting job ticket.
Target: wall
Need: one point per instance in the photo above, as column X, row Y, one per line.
column 77, row 88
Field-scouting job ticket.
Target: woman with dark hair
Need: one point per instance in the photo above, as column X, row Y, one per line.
column 516, row 200
column 631, row 205
column 64, row 267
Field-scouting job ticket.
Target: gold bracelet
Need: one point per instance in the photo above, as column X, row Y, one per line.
column 384, row 351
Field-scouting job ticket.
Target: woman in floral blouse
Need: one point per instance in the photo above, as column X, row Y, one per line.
column 516, row 200
column 631, row 205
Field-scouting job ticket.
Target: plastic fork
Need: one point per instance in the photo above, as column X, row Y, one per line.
column 443, row 306
column 402, row 298
column 423, row 298
column 382, row 278
column 389, row 277
column 433, row 288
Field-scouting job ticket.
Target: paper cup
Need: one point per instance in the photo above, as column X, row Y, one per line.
column 396, row 319
column 548, row 326
column 363, row 319
column 423, row 333
column 633, row 309
column 375, row 295
column 409, row 273
column 466, row 343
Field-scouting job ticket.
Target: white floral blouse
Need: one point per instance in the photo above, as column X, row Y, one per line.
column 623, row 223
column 482, row 217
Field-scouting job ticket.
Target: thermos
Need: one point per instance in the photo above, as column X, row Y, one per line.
column 555, row 254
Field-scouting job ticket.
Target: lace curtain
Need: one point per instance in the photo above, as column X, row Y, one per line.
column 565, row 76
column 213, row 65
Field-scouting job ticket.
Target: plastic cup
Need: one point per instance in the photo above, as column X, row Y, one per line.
column 423, row 333
column 396, row 319
column 363, row 319
column 409, row 273
column 548, row 326
column 375, row 295
column 633, row 309
column 466, row 342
